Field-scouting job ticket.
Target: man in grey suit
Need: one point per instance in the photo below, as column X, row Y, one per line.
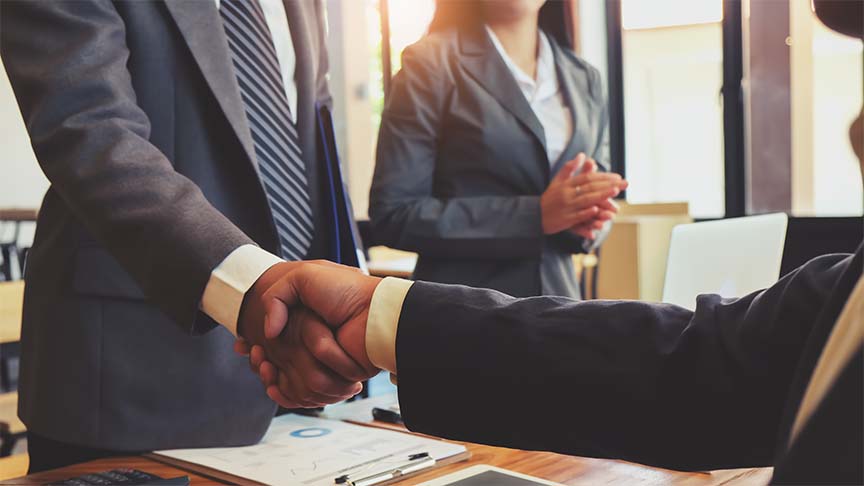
column 179, row 140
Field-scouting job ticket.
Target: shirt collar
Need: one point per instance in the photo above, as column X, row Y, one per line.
column 546, row 83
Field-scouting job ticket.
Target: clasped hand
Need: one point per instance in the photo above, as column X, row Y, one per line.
column 303, row 326
column 579, row 198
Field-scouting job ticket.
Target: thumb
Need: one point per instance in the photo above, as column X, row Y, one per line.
column 570, row 167
column 275, row 319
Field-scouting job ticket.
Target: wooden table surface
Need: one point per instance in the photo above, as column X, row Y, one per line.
column 11, row 309
column 9, row 412
column 18, row 214
column 564, row 469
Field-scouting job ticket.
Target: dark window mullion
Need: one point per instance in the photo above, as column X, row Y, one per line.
column 615, row 61
column 733, row 109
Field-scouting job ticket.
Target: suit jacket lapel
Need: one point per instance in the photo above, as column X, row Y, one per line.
column 201, row 28
column 481, row 60
column 813, row 350
column 570, row 88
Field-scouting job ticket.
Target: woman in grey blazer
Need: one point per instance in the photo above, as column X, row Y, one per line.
column 489, row 150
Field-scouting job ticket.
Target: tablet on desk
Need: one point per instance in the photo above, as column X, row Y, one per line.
column 484, row 475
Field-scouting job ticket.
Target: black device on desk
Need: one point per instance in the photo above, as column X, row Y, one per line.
column 125, row 477
column 390, row 414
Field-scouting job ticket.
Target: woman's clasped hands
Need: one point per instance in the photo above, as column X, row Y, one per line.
column 579, row 198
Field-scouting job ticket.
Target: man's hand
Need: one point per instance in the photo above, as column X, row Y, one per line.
column 304, row 297
column 315, row 370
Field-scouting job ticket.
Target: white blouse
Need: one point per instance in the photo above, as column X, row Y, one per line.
column 544, row 95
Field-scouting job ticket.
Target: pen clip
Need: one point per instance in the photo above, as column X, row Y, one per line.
column 417, row 462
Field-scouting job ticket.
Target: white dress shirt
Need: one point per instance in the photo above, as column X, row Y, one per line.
column 543, row 94
column 230, row 281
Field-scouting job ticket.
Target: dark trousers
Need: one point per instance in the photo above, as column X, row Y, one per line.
column 46, row 454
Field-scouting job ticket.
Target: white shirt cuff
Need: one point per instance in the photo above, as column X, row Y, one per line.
column 383, row 322
column 229, row 282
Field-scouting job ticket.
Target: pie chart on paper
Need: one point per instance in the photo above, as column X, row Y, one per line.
column 310, row 432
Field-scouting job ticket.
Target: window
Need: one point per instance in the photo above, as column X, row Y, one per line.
column 672, row 54
column 409, row 20
column 826, row 85
column 803, row 90
column 357, row 76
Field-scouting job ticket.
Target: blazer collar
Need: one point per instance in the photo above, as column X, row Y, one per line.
column 481, row 60
column 201, row 28
column 572, row 89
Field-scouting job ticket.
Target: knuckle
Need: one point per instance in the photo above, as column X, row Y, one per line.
column 319, row 348
column 318, row 383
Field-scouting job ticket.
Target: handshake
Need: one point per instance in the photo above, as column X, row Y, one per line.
column 303, row 326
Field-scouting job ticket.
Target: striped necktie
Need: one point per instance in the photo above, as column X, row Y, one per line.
column 277, row 147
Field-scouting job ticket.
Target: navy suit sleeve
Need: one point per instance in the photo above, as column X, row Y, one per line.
column 651, row 383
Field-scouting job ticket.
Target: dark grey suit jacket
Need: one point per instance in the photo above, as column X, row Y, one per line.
column 462, row 164
column 719, row 387
column 135, row 117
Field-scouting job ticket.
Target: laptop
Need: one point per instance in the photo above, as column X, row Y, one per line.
column 730, row 257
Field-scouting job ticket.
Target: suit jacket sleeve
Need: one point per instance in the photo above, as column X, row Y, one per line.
column 405, row 213
column 652, row 383
column 67, row 65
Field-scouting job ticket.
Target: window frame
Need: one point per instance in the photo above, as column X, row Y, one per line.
column 735, row 136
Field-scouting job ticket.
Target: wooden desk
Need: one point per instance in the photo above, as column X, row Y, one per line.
column 11, row 308
column 9, row 413
column 18, row 215
column 402, row 268
column 554, row 467
column 565, row 469
column 387, row 262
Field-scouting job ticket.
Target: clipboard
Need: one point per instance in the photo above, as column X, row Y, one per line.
column 306, row 450
column 346, row 246
column 241, row 481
